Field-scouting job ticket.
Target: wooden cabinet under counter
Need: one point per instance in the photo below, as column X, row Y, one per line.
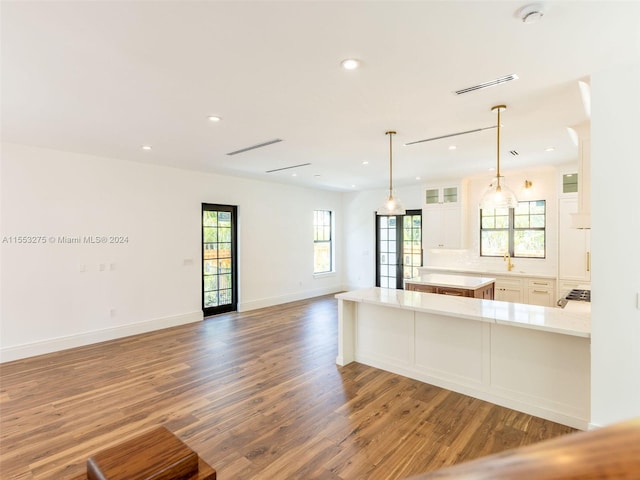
column 454, row 285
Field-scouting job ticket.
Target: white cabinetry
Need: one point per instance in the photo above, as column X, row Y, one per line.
column 574, row 249
column 541, row 292
column 442, row 195
column 516, row 289
column 442, row 227
column 509, row 289
column 442, row 218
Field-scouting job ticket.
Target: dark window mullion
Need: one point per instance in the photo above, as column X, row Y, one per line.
column 512, row 222
column 399, row 246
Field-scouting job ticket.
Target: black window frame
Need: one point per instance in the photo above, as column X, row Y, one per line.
column 316, row 229
column 512, row 229
column 400, row 265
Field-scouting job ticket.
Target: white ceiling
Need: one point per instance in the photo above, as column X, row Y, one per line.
column 105, row 78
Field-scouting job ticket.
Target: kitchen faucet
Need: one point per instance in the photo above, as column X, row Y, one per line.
column 509, row 264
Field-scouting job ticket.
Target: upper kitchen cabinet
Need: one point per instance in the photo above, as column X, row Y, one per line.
column 442, row 195
column 443, row 219
column 581, row 218
column 574, row 250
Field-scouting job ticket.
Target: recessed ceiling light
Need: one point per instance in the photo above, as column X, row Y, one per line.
column 146, row 147
column 452, row 147
column 417, row 178
column 350, row 63
column 294, row 174
column 214, row 118
column 353, row 186
column 365, row 163
column 549, row 149
column 491, row 169
column 531, row 13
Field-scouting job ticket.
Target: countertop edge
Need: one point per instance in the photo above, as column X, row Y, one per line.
column 487, row 273
column 486, row 281
column 372, row 296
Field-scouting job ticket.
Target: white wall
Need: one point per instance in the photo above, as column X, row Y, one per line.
column 49, row 303
column 615, row 243
column 359, row 231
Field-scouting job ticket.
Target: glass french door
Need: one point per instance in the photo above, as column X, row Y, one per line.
column 219, row 263
column 398, row 248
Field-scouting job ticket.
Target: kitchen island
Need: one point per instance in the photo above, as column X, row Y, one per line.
column 529, row 358
column 455, row 285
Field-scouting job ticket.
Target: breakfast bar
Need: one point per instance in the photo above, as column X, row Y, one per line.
column 529, row 358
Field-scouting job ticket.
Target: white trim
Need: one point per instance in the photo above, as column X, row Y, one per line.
column 18, row 352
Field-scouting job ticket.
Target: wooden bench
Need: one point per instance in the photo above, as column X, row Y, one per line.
column 155, row 455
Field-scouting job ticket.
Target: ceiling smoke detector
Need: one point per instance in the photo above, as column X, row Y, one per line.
column 531, row 13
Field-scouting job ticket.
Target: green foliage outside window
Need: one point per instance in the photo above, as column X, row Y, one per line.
column 519, row 231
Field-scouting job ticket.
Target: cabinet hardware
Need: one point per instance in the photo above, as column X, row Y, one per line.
column 540, row 283
column 588, row 261
column 539, row 291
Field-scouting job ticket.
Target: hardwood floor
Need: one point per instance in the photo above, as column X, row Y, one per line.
column 256, row 395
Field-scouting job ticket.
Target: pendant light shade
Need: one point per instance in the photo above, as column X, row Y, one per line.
column 498, row 195
column 392, row 204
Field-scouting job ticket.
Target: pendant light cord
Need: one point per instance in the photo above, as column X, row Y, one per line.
column 391, row 133
column 498, row 108
column 498, row 147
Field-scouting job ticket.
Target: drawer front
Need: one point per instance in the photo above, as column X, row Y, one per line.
column 456, row 292
column 416, row 287
column 539, row 284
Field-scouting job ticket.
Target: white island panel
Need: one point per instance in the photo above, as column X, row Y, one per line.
column 383, row 337
column 450, row 349
column 546, row 370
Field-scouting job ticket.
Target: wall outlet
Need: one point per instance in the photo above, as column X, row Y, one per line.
column 101, row 267
column 112, row 312
column 82, row 268
column 112, row 266
column 187, row 262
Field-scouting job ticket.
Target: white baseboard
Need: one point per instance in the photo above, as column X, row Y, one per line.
column 292, row 297
column 8, row 354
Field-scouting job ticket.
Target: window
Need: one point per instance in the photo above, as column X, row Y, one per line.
column 519, row 231
column 322, row 241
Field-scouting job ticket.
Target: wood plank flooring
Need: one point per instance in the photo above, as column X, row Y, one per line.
column 257, row 395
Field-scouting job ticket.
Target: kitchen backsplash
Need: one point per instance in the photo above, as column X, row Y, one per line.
column 470, row 260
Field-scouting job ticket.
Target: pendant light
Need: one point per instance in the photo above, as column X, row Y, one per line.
column 392, row 205
column 498, row 195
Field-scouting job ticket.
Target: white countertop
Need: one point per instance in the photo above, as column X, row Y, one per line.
column 549, row 319
column 578, row 307
column 455, row 281
column 486, row 272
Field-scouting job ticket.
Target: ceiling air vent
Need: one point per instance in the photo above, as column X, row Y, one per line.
column 514, row 153
column 287, row 168
column 491, row 83
column 253, row 147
